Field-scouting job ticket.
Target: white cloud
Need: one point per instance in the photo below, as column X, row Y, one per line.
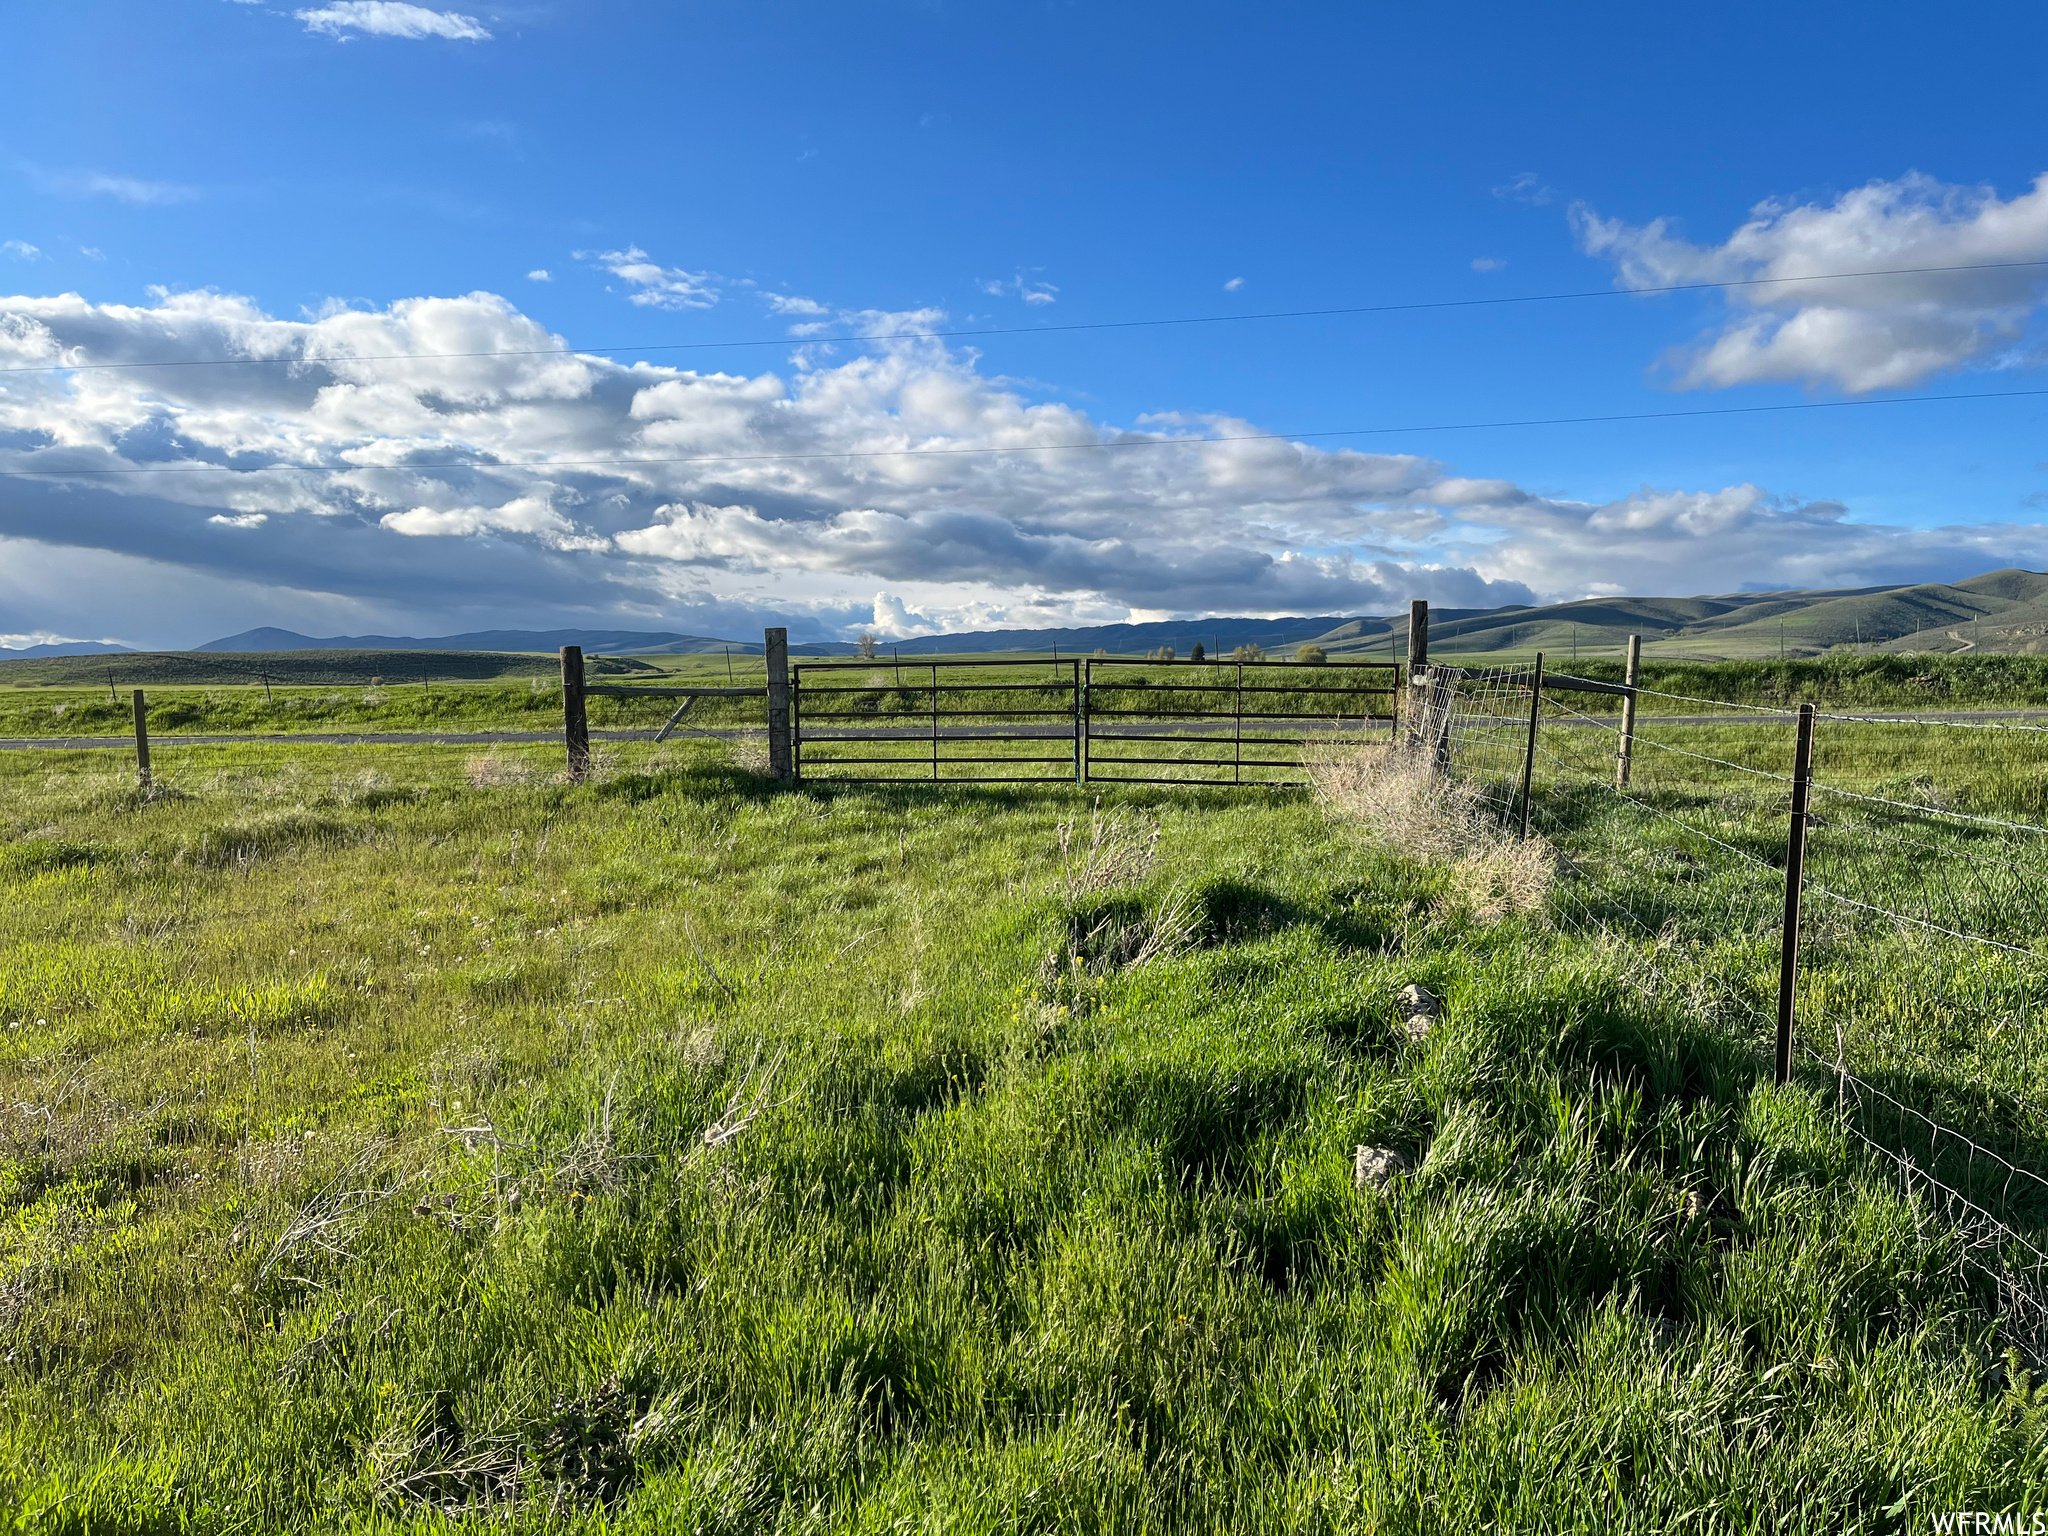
column 125, row 189
column 706, row 501
column 522, row 514
column 894, row 620
column 540, row 275
column 1487, row 263
column 1735, row 538
column 20, row 250
column 1029, row 289
column 654, row 285
column 1233, row 285
column 1860, row 333
column 391, row 18
column 793, row 304
column 1525, row 187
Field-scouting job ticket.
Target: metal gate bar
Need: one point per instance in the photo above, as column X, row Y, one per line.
column 1241, row 710
column 929, row 745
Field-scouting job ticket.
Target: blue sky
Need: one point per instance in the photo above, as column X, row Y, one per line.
column 326, row 185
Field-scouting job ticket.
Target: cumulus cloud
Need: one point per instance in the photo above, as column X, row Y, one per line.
column 654, row 285
column 1859, row 333
column 1740, row 536
column 540, row 275
column 391, row 18
column 20, row 250
column 793, row 304
column 522, row 514
column 1233, row 285
column 472, row 490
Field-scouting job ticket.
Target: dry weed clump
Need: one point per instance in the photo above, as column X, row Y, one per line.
column 1403, row 802
column 1120, row 850
column 490, row 770
column 749, row 753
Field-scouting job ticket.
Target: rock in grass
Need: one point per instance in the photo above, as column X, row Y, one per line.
column 1377, row 1167
column 1418, row 1010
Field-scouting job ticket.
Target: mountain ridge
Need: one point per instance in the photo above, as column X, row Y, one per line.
column 2001, row 610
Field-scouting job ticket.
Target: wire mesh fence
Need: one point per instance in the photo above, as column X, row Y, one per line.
column 1918, row 1002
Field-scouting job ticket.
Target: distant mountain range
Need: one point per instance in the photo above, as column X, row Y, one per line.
column 66, row 648
column 595, row 642
column 2001, row 611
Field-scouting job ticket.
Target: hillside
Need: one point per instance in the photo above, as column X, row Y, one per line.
column 163, row 669
column 595, row 642
column 2001, row 611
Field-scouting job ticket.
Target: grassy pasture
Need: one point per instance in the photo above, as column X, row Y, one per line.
column 392, row 1131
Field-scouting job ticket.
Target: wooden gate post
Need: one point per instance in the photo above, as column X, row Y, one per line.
column 575, row 722
column 1795, row 874
column 1529, row 752
column 1080, row 768
column 775, row 649
column 1628, row 712
column 141, row 741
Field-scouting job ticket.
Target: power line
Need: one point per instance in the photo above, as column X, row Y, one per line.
column 1031, row 330
column 1097, row 445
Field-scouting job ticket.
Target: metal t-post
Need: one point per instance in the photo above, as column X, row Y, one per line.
column 1795, row 874
column 1529, row 751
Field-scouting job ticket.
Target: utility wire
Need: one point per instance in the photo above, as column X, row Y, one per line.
column 1096, row 445
column 1039, row 330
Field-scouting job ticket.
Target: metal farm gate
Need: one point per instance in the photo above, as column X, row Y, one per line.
column 1227, row 722
column 1096, row 720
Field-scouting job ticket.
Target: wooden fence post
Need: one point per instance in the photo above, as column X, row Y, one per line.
column 1628, row 712
column 141, row 741
column 575, row 722
column 775, row 649
column 1418, row 671
column 1529, row 752
column 1795, row 874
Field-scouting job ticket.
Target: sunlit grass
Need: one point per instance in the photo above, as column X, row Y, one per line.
column 677, row 1152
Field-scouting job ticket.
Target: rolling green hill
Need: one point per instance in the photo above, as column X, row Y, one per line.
column 1999, row 612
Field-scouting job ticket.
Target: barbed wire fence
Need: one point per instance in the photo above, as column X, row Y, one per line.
column 1920, row 915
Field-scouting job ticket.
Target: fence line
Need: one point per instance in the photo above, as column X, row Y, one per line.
column 1937, row 1058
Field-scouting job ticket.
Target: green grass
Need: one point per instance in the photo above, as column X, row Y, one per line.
column 531, row 705
column 1893, row 684
column 674, row 1153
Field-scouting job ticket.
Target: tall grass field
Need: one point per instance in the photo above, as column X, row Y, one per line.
column 399, row 1138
